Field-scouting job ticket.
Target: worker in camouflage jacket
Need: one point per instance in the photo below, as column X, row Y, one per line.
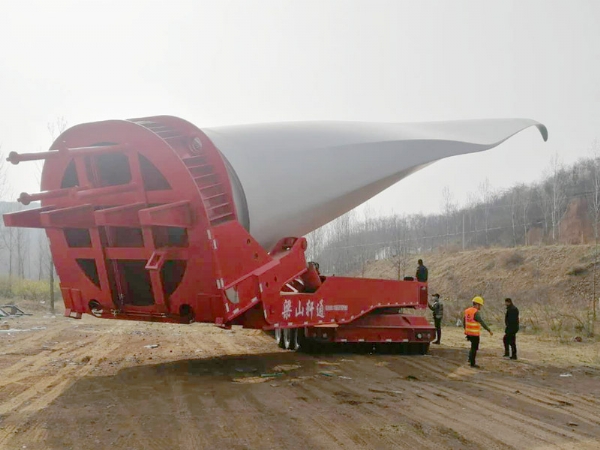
column 438, row 315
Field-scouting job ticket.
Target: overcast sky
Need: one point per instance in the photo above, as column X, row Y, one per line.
column 221, row 63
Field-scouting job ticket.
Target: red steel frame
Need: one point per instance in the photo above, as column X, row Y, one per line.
column 111, row 242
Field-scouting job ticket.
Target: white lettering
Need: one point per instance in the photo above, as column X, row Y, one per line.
column 299, row 312
column 320, row 309
column 310, row 308
column 287, row 309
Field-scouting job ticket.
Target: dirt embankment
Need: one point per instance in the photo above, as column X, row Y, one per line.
column 552, row 285
column 95, row 384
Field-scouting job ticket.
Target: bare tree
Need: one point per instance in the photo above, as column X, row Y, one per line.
column 420, row 224
column 4, row 190
column 341, row 231
column 316, row 241
column 57, row 127
column 487, row 197
column 519, row 199
column 545, row 195
column 471, row 222
column 365, row 232
column 22, row 250
column 449, row 209
column 595, row 215
column 557, row 189
column 524, row 207
column 514, row 206
column 6, row 233
column 399, row 246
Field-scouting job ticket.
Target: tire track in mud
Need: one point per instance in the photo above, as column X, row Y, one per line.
column 419, row 430
column 44, row 389
column 192, row 411
column 318, row 423
column 188, row 437
column 414, row 392
column 21, row 368
column 114, row 341
column 511, row 419
column 184, row 396
column 125, row 414
column 224, row 426
column 176, row 396
column 525, row 392
column 340, row 405
column 549, row 398
column 395, row 428
column 526, row 432
column 33, row 363
column 57, row 381
column 226, row 417
column 292, row 423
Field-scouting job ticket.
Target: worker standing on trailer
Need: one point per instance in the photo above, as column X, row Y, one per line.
column 438, row 315
column 511, row 321
column 421, row 272
column 473, row 323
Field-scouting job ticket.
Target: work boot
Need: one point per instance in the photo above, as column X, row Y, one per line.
column 513, row 357
column 437, row 342
column 475, row 366
column 506, row 355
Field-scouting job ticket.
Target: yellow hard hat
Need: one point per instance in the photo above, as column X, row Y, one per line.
column 478, row 300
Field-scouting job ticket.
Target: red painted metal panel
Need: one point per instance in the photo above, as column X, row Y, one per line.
column 142, row 222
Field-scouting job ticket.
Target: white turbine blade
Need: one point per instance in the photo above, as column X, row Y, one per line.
column 298, row 176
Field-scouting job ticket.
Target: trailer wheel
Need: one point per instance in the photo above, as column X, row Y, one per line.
column 279, row 337
column 288, row 338
column 301, row 342
column 423, row 349
column 306, row 344
column 296, row 343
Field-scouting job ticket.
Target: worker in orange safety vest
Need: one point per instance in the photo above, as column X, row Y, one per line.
column 472, row 324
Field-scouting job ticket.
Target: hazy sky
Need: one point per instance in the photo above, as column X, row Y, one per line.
column 222, row 62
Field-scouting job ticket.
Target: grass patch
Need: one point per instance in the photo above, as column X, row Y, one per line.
column 514, row 259
column 490, row 265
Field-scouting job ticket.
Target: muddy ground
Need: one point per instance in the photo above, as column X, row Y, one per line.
column 93, row 384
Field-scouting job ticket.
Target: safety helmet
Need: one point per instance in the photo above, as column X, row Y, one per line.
column 478, row 300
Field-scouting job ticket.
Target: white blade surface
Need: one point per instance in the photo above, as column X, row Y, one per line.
column 298, row 176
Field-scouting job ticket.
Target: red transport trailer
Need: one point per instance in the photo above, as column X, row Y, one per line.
column 142, row 223
column 153, row 219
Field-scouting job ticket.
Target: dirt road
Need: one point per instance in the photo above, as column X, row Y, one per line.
column 93, row 384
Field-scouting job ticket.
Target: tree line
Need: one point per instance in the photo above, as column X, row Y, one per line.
column 25, row 253
column 526, row 214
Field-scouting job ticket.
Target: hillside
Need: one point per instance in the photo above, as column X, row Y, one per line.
column 552, row 285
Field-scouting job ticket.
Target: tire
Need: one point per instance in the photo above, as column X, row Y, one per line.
column 305, row 344
column 289, row 336
column 279, row 337
column 297, row 339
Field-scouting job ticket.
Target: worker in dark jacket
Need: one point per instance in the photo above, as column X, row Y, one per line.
column 421, row 272
column 438, row 315
column 472, row 324
column 511, row 321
